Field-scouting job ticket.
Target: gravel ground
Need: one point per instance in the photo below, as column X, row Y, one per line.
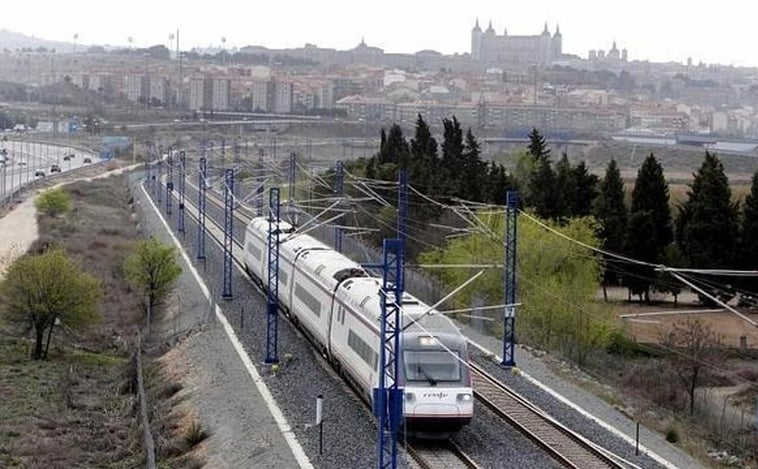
column 349, row 428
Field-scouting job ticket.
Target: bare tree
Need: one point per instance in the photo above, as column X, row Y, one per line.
column 694, row 346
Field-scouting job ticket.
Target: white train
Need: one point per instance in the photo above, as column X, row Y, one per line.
column 338, row 305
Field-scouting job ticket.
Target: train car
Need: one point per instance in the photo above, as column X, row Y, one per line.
column 433, row 357
column 338, row 305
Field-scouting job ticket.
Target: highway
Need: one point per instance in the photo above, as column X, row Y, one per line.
column 24, row 159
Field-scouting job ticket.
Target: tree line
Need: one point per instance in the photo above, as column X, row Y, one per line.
column 708, row 230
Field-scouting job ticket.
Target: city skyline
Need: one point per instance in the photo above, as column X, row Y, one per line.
column 655, row 31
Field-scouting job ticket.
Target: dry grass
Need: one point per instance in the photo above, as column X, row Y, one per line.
column 51, row 417
column 99, row 231
column 79, row 408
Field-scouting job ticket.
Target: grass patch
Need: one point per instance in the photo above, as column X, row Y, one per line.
column 64, row 411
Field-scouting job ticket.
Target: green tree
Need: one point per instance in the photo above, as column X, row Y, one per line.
column 424, row 160
column 557, row 283
column 586, row 190
column 708, row 232
column 473, row 175
column 543, row 192
column 53, row 202
column 41, row 291
column 749, row 235
column 650, row 208
column 565, row 188
column 151, row 270
column 537, row 146
column 611, row 212
column 452, row 156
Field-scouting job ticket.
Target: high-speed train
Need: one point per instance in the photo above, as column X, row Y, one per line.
column 338, row 304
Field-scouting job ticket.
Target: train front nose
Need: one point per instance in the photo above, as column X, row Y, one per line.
column 438, row 410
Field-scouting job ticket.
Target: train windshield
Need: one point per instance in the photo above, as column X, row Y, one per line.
column 431, row 366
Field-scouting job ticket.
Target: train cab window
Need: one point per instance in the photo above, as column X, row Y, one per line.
column 431, row 366
column 347, row 285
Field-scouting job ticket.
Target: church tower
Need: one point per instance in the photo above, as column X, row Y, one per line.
column 476, row 41
column 556, row 44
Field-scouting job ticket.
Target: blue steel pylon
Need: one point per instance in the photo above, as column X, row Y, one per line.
column 228, row 231
column 388, row 397
column 202, row 173
column 272, row 296
column 261, row 173
column 182, row 174
column 509, row 314
column 339, row 178
column 169, row 181
column 291, row 182
column 159, row 189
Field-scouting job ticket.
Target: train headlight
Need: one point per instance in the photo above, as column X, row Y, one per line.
column 410, row 397
column 464, row 397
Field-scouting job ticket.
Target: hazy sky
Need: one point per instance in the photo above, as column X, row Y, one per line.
column 659, row 30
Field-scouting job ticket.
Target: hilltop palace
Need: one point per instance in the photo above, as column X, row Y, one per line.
column 492, row 49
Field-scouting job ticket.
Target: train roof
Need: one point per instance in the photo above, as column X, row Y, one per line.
column 364, row 294
column 331, row 265
column 262, row 224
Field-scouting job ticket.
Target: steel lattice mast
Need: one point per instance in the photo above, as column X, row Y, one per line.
column 182, row 174
column 509, row 330
column 228, row 233
column 202, row 173
column 388, row 398
column 169, row 181
column 272, row 297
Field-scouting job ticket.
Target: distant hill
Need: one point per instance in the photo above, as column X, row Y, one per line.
column 11, row 40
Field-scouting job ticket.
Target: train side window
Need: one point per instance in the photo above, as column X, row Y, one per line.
column 319, row 269
column 364, row 301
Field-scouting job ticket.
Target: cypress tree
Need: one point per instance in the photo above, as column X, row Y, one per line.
column 537, row 146
column 586, row 190
column 424, row 162
column 543, row 191
column 650, row 197
column 610, row 210
column 749, row 238
column 566, row 189
column 708, row 231
column 473, row 177
column 749, row 228
column 452, row 154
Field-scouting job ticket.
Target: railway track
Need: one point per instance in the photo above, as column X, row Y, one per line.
column 566, row 446
column 444, row 455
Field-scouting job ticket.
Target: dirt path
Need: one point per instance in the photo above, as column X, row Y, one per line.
column 18, row 230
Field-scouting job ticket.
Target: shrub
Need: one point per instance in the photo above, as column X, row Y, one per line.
column 672, row 435
column 195, row 434
column 53, row 202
